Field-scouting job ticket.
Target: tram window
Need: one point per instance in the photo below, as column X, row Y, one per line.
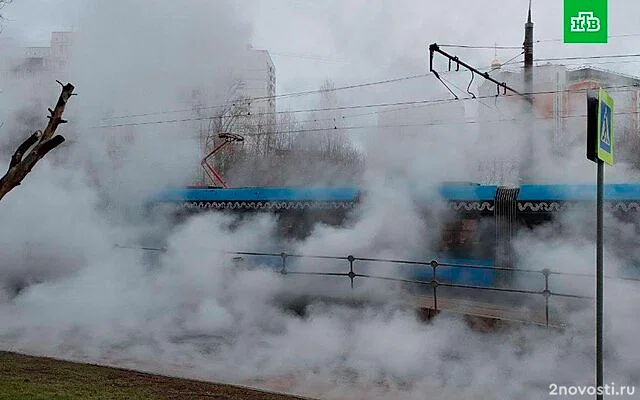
column 467, row 238
column 294, row 225
column 300, row 224
column 288, row 225
column 457, row 235
column 467, row 231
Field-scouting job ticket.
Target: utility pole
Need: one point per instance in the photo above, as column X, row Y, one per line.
column 526, row 166
column 528, row 47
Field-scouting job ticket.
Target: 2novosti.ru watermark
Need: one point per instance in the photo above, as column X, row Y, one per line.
column 607, row 390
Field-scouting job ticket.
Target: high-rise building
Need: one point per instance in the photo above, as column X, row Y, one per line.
column 257, row 75
column 253, row 114
column 28, row 62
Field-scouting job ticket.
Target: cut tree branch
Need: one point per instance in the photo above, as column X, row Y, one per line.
column 34, row 148
column 26, row 145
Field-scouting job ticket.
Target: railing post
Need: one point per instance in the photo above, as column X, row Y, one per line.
column 283, row 256
column 434, row 285
column 351, row 274
column 546, row 272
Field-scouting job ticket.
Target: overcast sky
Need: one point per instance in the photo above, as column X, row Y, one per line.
column 358, row 40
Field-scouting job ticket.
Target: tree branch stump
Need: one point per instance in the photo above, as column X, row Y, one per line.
column 36, row 146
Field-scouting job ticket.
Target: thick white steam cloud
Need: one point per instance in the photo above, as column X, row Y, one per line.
column 66, row 292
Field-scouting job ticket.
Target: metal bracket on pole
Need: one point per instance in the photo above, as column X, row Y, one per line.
column 434, row 48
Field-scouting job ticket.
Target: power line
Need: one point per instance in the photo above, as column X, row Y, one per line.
column 543, row 41
column 282, row 112
column 604, row 62
column 344, row 117
column 294, row 94
column 510, row 61
column 587, row 57
column 610, row 37
column 249, row 100
column 442, row 123
column 420, row 102
column 473, row 96
column 390, row 104
column 436, row 123
column 464, row 46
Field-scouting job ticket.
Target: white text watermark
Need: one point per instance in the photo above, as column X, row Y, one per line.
column 607, row 390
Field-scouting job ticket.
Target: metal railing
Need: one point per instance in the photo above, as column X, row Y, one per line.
column 434, row 283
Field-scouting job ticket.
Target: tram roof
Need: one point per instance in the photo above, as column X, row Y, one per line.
column 448, row 191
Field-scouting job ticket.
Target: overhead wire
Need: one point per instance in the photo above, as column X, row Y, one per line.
column 465, row 46
column 604, row 62
column 473, row 96
column 426, row 102
column 405, row 103
column 487, row 47
column 411, row 105
column 366, row 84
column 610, row 37
column 442, row 123
column 250, row 99
column 508, row 62
column 433, row 123
column 284, row 95
column 587, row 57
column 391, row 104
column 417, row 125
column 562, row 58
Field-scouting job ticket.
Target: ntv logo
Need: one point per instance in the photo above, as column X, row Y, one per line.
column 585, row 22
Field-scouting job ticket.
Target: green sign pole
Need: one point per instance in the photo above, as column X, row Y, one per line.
column 600, row 150
column 599, row 277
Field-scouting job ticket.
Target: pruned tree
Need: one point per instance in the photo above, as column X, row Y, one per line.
column 326, row 146
column 288, row 152
column 36, row 146
column 277, row 149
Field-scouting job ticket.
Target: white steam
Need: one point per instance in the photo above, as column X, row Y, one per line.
column 189, row 312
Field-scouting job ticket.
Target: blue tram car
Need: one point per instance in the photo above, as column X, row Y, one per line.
column 481, row 220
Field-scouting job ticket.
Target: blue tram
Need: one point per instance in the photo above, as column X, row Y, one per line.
column 480, row 222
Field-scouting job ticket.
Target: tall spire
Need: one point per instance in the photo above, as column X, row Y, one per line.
column 495, row 64
column 528, row 41
column 527, row 164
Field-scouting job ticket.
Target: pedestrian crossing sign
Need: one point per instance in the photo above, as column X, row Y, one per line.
column 605, row 127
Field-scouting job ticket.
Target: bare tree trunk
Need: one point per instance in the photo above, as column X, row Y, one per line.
column 37, row 145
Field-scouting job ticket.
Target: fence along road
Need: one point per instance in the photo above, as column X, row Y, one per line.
column 437, row 302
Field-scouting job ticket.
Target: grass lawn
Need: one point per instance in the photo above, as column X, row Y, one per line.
column 26, row 377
